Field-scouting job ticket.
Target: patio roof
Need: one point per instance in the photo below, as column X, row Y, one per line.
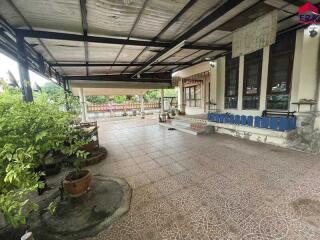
column 81, row 39
column 98, row 91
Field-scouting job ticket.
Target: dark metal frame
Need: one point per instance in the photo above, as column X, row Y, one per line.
column 108, row 40
column 172, row 21
column 117, row 64
column 36, row 62
column 146, row 77
column 214, row 15
column 84, row 21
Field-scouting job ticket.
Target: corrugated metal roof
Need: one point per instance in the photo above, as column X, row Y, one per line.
column 103, row 52
column 114, row 18
column 60, row 15
column 105, row 70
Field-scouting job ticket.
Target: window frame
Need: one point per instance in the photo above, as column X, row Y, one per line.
column 249, row 59
column 289, row 51
column 193, row 98
column 231, row 63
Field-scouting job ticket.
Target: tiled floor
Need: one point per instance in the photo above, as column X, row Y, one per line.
column 209, row 187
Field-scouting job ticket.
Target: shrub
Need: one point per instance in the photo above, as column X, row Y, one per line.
column 28, row 132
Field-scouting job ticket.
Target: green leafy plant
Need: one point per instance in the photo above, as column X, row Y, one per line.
column 28, row 132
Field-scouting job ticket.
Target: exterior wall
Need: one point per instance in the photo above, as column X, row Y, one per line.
column 305, row 84
column 196, row 69
column 305, row 77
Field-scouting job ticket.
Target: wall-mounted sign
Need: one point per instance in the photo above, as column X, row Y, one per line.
column 191, row 81
column 256, row 35
column 309, row 14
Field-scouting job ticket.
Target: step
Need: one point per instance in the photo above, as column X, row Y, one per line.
column 193, row 129
column 181, row 123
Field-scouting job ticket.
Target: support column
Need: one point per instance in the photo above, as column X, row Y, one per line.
column 162, row 102
column 66, row 94
column 83, row 106
column 183, row 101
column 162, row 114
column 264, row 79
column 23, row 69
column 142, row 106
column 240, row 87
column 205, row 94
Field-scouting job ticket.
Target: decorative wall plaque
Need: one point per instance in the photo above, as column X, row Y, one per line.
column 256, row 35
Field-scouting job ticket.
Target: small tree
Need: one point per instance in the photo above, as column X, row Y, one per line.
column 97, row 99
column 119, row 99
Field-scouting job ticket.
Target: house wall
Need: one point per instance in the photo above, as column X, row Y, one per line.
column 305, row 84
column 196, row 69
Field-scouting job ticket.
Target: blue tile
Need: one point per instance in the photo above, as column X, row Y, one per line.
column 257, row 121
column 250, row 121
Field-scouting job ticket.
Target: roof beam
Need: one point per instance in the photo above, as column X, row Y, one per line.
column 83, row 8
column 173, row 20
column 132, row 28
column 147, row 77
column 216, row 28
column 296, row 3
column 220, row 11
column 116, row 64
column 107, row 40
column 15, row 8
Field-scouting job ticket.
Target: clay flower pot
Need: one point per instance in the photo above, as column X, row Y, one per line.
column 77, row 184
column 90, row 147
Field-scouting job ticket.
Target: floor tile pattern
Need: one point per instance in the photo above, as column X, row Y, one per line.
column 209, row 187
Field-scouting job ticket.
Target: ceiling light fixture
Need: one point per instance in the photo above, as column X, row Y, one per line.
column 313, row 30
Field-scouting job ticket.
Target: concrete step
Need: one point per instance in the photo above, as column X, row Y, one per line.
column 188, row 127
column 181, row 123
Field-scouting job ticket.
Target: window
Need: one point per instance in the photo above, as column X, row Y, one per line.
column 232, row 79
column 280, row 71
column 252, row 80
column 193, row 96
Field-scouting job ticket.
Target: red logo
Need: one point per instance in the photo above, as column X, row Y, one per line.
column 309, row 14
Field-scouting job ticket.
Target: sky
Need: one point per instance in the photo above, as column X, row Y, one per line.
column 7, row 63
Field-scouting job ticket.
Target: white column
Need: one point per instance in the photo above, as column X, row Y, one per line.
column 142, row 106
column 162, row 102
column 83, row 106
column 264, row 79
column 213, row 85
column 221, row 78
column 240, row 87
column 183, row 100
column 205, row 94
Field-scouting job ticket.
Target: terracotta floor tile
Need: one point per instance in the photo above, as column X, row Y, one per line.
column 209, row 187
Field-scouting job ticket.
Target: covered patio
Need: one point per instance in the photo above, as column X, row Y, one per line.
column 247, row 68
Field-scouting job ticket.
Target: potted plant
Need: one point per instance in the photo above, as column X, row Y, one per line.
column 77, row 182
column 88, row 132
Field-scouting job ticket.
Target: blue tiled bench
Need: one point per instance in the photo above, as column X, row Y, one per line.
column 275, row 123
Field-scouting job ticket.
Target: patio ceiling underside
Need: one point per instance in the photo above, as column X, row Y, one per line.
column 146, row 28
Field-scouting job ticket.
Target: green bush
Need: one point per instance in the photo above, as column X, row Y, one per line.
column 28, row 132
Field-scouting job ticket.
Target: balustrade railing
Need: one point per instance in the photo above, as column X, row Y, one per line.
column 120, row 107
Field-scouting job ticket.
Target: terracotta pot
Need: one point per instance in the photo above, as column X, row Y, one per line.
column 91, row 146
column 76, row 187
